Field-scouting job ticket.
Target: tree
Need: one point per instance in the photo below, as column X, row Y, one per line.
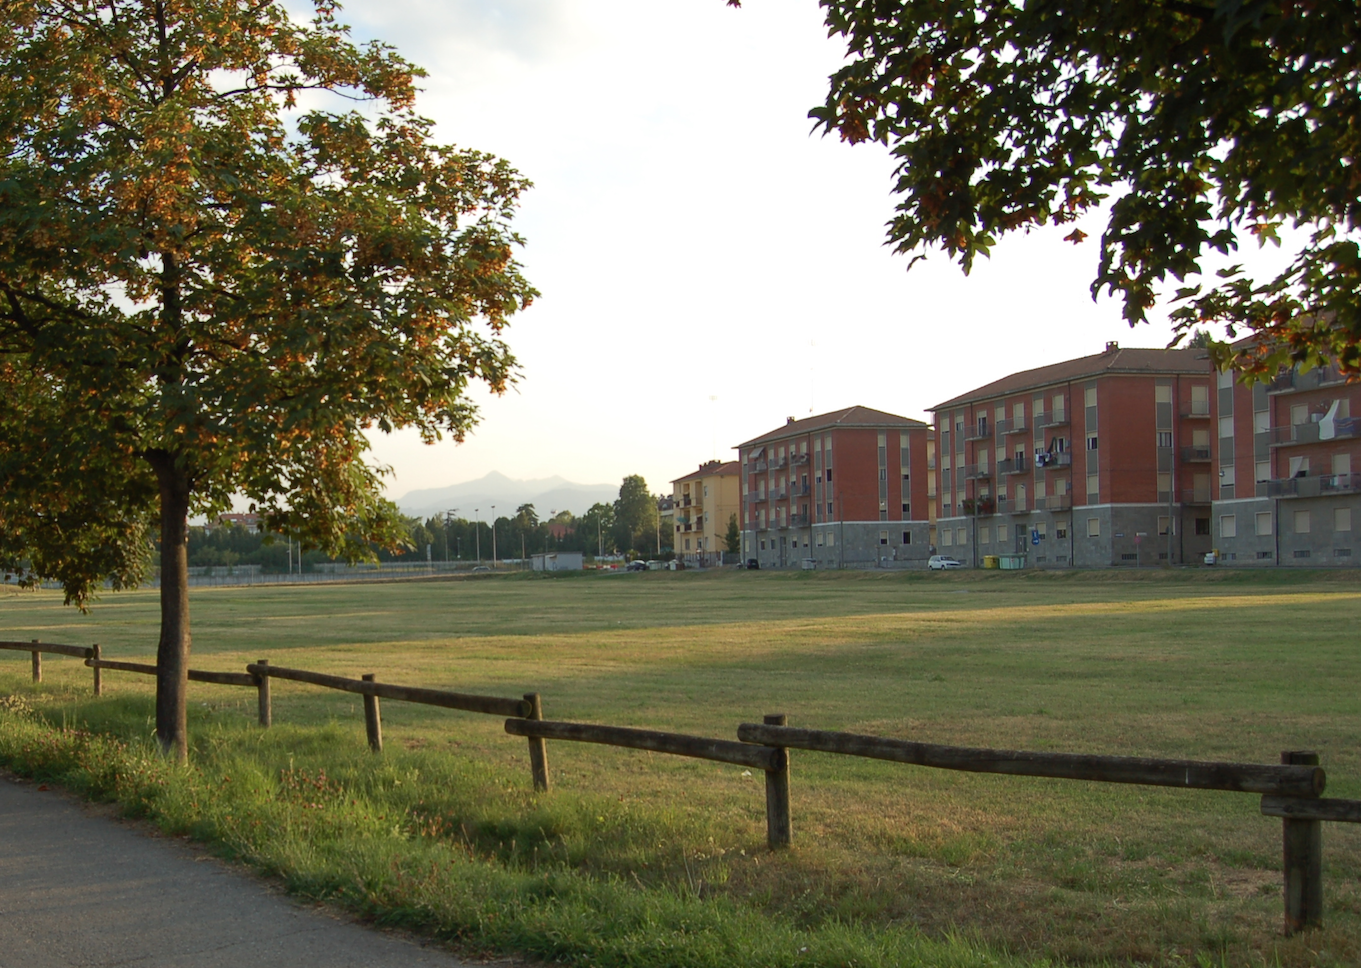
column 1205, row 122
column 733, row 538
column 635, row 515
column 206, row 289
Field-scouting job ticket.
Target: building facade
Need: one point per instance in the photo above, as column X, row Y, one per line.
column 1099, row 461
column 1285, row 451
column 703, row 502
column 842, row 489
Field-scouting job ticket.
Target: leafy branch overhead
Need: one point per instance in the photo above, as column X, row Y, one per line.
column 198, row 274
column 1203, row 125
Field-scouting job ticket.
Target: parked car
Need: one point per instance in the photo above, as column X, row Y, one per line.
column 638, row 565
column 943, row 562
column 753, row 564
column 480, row 568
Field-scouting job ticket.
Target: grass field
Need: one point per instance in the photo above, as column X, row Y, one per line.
column 1210, row 665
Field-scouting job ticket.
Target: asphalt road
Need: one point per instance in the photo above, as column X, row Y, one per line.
column 80, row 888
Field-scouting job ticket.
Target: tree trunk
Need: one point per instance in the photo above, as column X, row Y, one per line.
column 172, row 653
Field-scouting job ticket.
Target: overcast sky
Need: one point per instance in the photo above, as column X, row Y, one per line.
column 709, row 265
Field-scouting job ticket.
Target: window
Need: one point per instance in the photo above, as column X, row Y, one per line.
column 1058, row 405
column 883, row 537
column 1263, row 522
column 1164, row 438
column 829, row 509
column 1200, row 399
column 1261, row 421
column 1200, row 438
column 1162, row 393
column 1093, row 527
column 1091, row 442
column 1299, row 414
column 1017, row 415
column 947, row 537
column 687, row 544
column 907, row 510
column 831, row 538
column 961, row 536
column 1202, row 525
column 907, row 537
column 1342, row 519
column 1262, row 471
column 1228, row 526
column 820, row 537
column 1092, row 488
column 1226, row 476
column 1089, row 397
column 827, row 475
column 1342, row 463
column 1060, row 530
column 1001, row 532
column 1226, row 426
column 1164, row 485
column 907, row 478
column 1225, row 379
column 763, row 544
column 1301, row 522
column 1163, row 523
column 1042, row 529
column 984, row 534
column 1299, row 467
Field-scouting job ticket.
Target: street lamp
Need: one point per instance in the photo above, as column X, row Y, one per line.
column 493, row 537
column 477, row 530
column 448, row 521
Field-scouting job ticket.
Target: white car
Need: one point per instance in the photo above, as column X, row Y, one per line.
column 943, row 562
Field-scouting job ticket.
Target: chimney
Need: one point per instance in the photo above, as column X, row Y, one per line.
column 1112, row 347
column 788, row 421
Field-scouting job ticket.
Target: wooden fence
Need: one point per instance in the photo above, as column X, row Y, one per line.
column 1292, row 790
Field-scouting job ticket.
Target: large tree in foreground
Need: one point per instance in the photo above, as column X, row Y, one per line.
column 215, row 275
column 1204, row 123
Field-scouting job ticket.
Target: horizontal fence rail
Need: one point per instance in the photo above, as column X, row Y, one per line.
column 722, row 750
column 195, row 675
column 77, row 651
column 493, row 705
column 1288, row 781
column 1301, row 808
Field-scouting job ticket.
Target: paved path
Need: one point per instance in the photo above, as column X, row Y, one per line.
column 81, row 889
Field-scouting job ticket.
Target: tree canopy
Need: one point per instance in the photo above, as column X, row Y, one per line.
column 1201, row 123
column 213, row 283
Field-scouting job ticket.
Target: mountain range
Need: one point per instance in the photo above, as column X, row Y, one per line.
column 548, row 495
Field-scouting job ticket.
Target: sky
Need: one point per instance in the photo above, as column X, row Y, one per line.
column 709, row 264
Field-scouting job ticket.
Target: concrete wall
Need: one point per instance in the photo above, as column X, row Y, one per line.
column 848, row 544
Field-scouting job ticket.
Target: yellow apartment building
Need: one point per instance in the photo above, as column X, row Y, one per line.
column 705, row 500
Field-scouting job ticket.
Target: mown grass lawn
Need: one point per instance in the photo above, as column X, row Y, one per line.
column 1210, row 665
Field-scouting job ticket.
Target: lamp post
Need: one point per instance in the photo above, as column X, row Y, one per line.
column 448, row 522
column 493, row 537
column 477, row 530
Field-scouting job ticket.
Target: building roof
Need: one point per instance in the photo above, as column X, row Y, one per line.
column 850, row 417
column 712, row 468
column 1114, row 360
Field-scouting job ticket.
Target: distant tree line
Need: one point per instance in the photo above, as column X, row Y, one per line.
column 629, row 526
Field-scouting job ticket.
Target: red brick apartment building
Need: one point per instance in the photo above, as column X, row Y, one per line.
column 1285, row 455
column 1103, row 460
column 842, row 489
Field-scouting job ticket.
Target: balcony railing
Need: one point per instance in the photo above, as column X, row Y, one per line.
column 1063, row 458
column 1197, row 411
column 778, row 495
column 1195, row 454
column 1319, row 486
column 1055, row 418
column 1294, row 380
column 762, row 466
column 798, row 460
column 979, row 431
column 1195, row 495
column 1344, row 428
column 798, row 521
column 1013, row 426
column 976, row 472
column 779, row 464
column 756, row 498
column 1054, row 502
column 799, row 490
column 1014, row 465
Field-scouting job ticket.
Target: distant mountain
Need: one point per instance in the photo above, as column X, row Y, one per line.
column 547, row 494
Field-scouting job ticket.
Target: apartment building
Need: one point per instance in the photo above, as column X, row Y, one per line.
column 841, row 489
column 1098, row 461
column 703, row 502
column 1287, row 494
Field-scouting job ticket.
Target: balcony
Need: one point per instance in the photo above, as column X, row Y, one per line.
column 1197, row 412
column 979, row 506
column 762, row 466
column 779, row 495
column 1056, row 418
column 1063, row 458
column 1195, row 455
column 756, row 498
column 780, row 464
column 799, row 490
column 1294, row 380
column 1054, row 502
column 977, row 472
column 1321, row 486
column 798, row 521
column 1013, row 465
column 1344, row 428
column 1005, row 427
column 798, row 460
column 980, row 431
column 1195, row 495
column 930, row 463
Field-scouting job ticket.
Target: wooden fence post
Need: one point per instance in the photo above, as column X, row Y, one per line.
column 538, row 747
column 779, row 830
column 373, row 724
column 1303, row 861
column 266, row 708
column 37, row 664
column 99, row 678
